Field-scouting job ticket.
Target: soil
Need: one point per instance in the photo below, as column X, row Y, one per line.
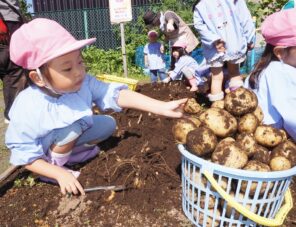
column 141, row 154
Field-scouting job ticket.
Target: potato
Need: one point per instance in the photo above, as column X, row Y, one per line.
column 196, row 177
column 219, row 121
column 268, row 136
column 201, row 141
column 226, row 140
column 286, row 149
column 248, row 123
column 230, row 154
column 209, row 220
column 248, row 143
column 280, row 163
column 239, row 198
column 259, row 114
column 261, row 154
column 223, row 184
column 181, row 129
column 195, row 120
column 218, row 104
column 284, row 135
column 255, row 166
column 192, row 107
column 240, row 102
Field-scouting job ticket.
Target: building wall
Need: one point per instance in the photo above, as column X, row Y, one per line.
column 56, row 5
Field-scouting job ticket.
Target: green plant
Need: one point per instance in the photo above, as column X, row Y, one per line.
column 29, row 181
column 261, row 9
column 24, row 6
column 99, row 61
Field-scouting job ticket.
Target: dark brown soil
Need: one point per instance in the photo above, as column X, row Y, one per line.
column 141, row 154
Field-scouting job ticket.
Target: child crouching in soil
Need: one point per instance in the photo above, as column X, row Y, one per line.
column 183, row 64
column 51, row 121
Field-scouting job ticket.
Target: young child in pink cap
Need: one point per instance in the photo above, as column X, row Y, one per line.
column 274, row 76
column 51, row 121
column 226, row 30
column 154, row 57
column 183, row 64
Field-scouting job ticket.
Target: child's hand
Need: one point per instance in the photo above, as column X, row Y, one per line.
column 162, row 49
column 220, row 45
column 174, row 109
column 69, row 184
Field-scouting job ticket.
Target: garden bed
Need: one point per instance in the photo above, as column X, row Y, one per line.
column 141, row 154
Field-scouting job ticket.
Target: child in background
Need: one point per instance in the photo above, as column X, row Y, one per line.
column 227, row 30
column 154, row 57
column 51, row 121
column 274, row 76
column 183, row 64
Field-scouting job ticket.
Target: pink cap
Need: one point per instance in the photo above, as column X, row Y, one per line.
column 152, row 32
column 279, row 29
column 40, row 41
column 180, row 44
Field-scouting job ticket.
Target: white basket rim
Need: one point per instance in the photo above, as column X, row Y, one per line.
column 210, row 166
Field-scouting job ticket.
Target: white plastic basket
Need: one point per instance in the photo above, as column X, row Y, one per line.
column 256, row 200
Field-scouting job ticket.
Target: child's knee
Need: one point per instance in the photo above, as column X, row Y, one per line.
column 69, row 134
column 110, row 124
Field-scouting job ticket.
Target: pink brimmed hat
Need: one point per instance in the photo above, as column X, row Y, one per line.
column 180, row 44
column 40, row 41
column 279, row 29
column 152, row 32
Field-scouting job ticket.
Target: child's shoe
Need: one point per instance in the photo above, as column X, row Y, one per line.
column 83, row 153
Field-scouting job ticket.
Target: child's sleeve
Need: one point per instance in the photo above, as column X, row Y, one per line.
column 177, row 70
column 207, row 36
column 105, row 95
column 145, row 50
column 19, row 139
column 245, row 20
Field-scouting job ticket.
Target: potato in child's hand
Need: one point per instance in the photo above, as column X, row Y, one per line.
column 192, row 107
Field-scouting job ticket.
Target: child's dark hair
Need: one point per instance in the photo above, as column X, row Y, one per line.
column 267, row 57
column 181, row 52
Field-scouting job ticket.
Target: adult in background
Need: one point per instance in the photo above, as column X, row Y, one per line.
column 173, row 27
column 13, row 77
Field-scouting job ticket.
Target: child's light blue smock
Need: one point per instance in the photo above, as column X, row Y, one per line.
column 276, row 92
column 222, row 19
column 201, row 70
column 35, row 114
column 155, row 57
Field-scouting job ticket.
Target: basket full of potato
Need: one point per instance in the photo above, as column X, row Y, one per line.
column 230, row 160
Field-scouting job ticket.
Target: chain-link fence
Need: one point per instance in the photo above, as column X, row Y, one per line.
column 88, row 23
